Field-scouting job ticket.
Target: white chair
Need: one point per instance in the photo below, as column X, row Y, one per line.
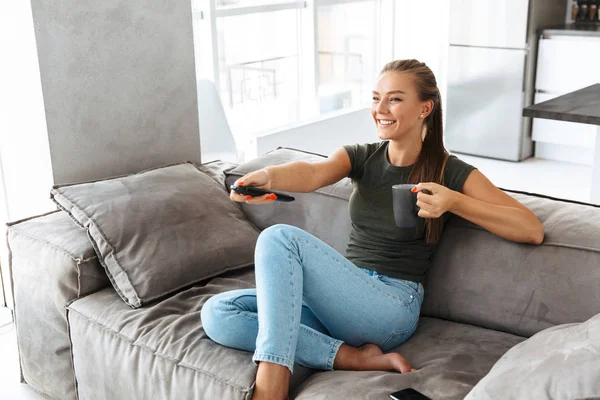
column 216, row 139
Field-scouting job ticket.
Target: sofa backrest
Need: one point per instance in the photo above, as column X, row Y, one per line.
column 323, row 213
column 476, row 277
column 479, row 278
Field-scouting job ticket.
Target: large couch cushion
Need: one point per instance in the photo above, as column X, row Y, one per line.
column 487, row 281
column 450, row 358
column 160, row 230
column 562, row 362
column 160, row 351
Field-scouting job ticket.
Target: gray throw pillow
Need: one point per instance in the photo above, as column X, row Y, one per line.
column 160, row 230
column 562, row 362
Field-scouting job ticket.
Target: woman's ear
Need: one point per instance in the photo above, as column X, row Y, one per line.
column 427, row 108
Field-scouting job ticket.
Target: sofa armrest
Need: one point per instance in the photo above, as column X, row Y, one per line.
column 52, row 263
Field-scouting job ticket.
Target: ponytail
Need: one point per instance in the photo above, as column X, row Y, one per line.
column 431, row 162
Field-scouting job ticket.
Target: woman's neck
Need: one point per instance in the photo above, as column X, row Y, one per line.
column 404, row 153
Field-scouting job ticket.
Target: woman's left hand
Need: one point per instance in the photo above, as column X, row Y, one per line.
column 436, row 201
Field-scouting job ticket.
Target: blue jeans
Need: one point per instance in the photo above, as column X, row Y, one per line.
column 309, row 300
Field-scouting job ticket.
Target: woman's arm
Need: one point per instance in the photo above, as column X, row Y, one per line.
column 485, row 205
column 306, row 177
column 297, row 176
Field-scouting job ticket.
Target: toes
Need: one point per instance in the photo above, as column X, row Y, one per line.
column 400, row 364
column 405, row 366
column 405, row 369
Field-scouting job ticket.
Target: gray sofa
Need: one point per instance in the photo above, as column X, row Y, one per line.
column 484, row 295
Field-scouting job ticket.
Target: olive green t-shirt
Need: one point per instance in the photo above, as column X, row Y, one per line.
column 375, row 242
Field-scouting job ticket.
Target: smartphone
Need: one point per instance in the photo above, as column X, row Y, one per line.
column 408, row 394
column 252, row 191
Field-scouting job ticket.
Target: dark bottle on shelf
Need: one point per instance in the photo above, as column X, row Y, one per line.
column 583, row 10
column 575, row 11
column 593, row 11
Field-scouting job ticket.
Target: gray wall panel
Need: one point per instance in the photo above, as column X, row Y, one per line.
column 119, row 85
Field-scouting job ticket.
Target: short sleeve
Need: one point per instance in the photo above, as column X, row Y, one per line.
column 359, row 154
column 456, row 173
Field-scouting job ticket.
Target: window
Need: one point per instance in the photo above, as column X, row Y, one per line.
column 346, row 43
column 258, row 69
column 276, row 63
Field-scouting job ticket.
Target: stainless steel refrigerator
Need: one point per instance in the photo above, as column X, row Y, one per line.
column 491, row 67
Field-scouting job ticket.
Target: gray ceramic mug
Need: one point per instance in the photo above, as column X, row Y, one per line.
column 406, row 209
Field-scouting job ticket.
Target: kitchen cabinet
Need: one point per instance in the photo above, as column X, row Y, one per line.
column 566, row 62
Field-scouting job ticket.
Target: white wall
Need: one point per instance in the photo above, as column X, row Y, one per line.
column 422, row 33
column 24, row 152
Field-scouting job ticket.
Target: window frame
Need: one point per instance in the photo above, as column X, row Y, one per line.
column 205, row 14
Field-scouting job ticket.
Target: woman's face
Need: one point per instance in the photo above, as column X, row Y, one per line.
column 397, row 109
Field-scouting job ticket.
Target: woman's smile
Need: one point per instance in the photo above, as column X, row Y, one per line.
column 385, row 123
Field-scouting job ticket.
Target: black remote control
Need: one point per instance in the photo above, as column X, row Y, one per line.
column 252, row 191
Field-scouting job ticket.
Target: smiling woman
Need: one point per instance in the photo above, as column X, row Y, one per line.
column 324, row 310
column 407, row 111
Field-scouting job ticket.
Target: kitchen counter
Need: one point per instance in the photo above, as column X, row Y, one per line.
column 572, row 29
column 581, row 106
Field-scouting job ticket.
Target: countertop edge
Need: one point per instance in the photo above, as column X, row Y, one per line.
column 572, row 29
column 559, row 116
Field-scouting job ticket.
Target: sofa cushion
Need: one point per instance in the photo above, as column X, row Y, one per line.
column 450, row 358
column 160, row 230
column 159, row 351
column 481, row 279
column 561, row 362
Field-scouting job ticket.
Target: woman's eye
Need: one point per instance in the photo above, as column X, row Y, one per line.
column 396, row 99
column 375, row 98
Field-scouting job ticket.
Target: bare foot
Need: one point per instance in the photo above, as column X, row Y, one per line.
column 272, row 382
column 369, row 357
column 370, row 350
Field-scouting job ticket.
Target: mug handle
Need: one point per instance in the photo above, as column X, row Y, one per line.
column 417, row 208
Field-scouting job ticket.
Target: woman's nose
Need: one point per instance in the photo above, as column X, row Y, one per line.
column 382, row 107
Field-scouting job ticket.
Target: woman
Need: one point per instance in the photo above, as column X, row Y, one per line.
column 325, row 311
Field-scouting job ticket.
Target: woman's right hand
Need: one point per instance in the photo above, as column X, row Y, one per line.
column 258, row 179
